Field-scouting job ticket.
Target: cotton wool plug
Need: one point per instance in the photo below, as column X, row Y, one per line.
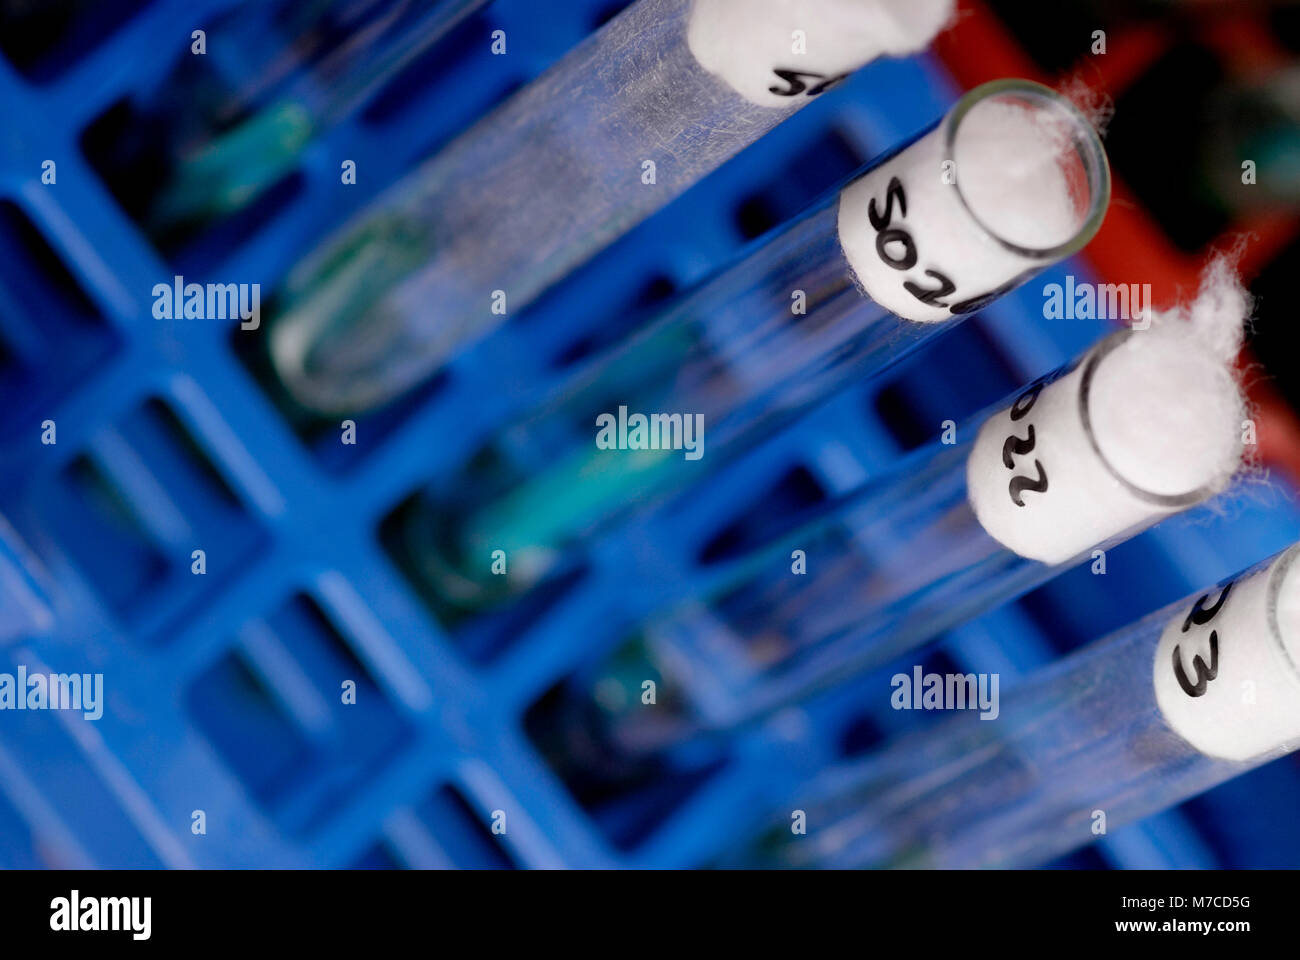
column 1013, row 180
column 1146, row 425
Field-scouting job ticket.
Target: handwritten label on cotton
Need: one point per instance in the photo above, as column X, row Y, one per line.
column 1038, row 485
column 781, row 53
column 972, row 208
column 1224, row 680
column 913, row 247
column 1144, row 426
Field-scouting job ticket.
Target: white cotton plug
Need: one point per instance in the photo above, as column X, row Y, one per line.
column 1288, row 614
column 1013, row 166
column 1228, row 681
column 1166, row 414
column 1148, row 424
column 746, row 41
column 1165, row 406
column 1013, row 180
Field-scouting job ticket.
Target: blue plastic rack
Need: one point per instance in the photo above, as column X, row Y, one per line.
column 222, row 689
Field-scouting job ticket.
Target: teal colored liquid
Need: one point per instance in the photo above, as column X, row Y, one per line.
column 567, row 495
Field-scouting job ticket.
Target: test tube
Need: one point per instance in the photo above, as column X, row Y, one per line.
column 660, row 96
column 219, row 175
column 897, row 256
column 25, row 606
column 1146, row 424
column 1254, row 117
column 1153, row 714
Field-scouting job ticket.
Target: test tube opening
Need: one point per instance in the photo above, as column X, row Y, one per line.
column 1142, row 447
column 1284, row 608
column 1050, row 200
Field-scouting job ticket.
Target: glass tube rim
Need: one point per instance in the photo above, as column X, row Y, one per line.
column 1092, row 154
column 1175, row 501
column 1279, row 569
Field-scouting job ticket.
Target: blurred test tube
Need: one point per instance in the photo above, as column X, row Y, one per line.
column 342, row 55
column 899, row 255
column 1249, row 152
column 1157, row 712
column 24, row 600
column 656, row 99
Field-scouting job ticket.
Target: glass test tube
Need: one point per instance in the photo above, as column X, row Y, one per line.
column 645, row 107
column 25, row 605
column 1258, row 118
column 218, row 175
column 734, row 356
column 952, row 531
column 1155, row 713
column 264, row 45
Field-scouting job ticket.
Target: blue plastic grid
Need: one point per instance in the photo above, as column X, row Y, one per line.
column 222, row 689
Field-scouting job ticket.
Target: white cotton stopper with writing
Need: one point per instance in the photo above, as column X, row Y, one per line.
column 1227, row 668
column 1147, row 424
column 780, row 53
column 933, row 230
